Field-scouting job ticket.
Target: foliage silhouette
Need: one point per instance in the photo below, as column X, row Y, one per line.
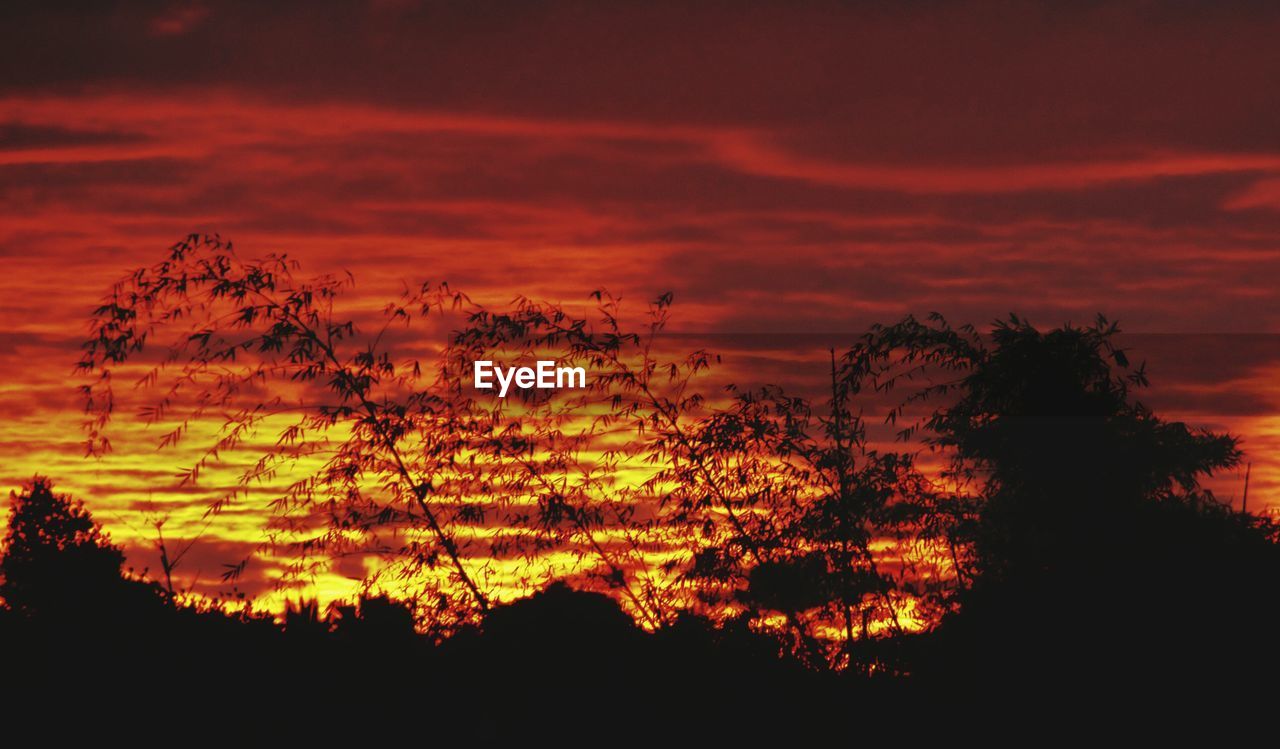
column 819, row 498
column 249, row 326
column 57, row 560
column 1091, row 547
column 1067, row 526
column 525, row 667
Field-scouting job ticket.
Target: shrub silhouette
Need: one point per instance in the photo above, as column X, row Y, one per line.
column 814, row 496
column 58, row 564
column 1096, row 556
column 238, row 328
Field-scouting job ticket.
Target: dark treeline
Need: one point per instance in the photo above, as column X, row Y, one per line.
column 1173, row 604
column 79, row 631
column 1072, row 562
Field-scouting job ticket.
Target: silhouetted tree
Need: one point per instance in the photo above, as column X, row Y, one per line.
column 645, row 414
column 819, row 499
column 376, row 439
column 1091, row 548
column 568, row 452
column 767, row 507
column 1042, row 427
column 411, row 466
column 57, row 562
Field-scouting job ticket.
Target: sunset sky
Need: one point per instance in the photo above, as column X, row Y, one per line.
column 783, row 168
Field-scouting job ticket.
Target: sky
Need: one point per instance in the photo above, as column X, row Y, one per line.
column 783, row 168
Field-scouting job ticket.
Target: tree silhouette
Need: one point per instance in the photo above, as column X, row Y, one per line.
column 1091, row 545
column 412, row 466
column 568, row 452
column 250, row 341
column 697, row 498
column 58, row 563
column 1042, row 427
column 1063, row 502
column 816, row 500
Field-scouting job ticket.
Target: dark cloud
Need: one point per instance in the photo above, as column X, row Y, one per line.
column 17, row 136
column 963, row 82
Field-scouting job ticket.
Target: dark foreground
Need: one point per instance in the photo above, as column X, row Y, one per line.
column 1079, row 649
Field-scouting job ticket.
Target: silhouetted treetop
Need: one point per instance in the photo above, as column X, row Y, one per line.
column 1038, row 407
column 1042, row 427
column 57, row 559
